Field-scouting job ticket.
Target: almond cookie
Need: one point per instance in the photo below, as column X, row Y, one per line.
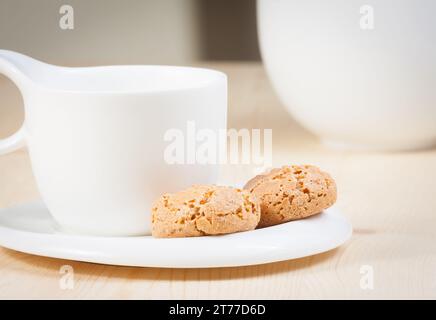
column 292, row 192
column 204, row 210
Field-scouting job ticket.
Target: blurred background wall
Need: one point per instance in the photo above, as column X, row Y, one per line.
column 228, row 29
column 131, row 31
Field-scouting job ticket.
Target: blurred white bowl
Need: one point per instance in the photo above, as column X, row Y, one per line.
column 372, row 88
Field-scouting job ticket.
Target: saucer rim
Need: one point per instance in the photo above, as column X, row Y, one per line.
column 39, row 243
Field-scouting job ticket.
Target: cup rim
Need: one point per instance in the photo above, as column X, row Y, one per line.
column 205, row 78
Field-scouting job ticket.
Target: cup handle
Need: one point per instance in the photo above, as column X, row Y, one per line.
column 15, row 141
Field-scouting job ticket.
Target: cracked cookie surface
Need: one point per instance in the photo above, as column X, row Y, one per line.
column 204, row 210
column 291, row 193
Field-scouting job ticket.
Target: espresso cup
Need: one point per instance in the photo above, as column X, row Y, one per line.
column 95, row 137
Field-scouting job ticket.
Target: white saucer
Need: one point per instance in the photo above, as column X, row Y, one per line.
column 29, row 228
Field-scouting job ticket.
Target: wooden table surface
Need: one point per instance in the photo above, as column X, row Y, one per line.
column 390, row 198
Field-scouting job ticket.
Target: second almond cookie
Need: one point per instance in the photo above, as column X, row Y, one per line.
column 291, row 193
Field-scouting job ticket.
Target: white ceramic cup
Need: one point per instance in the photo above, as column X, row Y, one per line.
column 359, row 74
column 96, row 137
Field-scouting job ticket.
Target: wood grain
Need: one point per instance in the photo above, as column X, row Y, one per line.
column 389, row 198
